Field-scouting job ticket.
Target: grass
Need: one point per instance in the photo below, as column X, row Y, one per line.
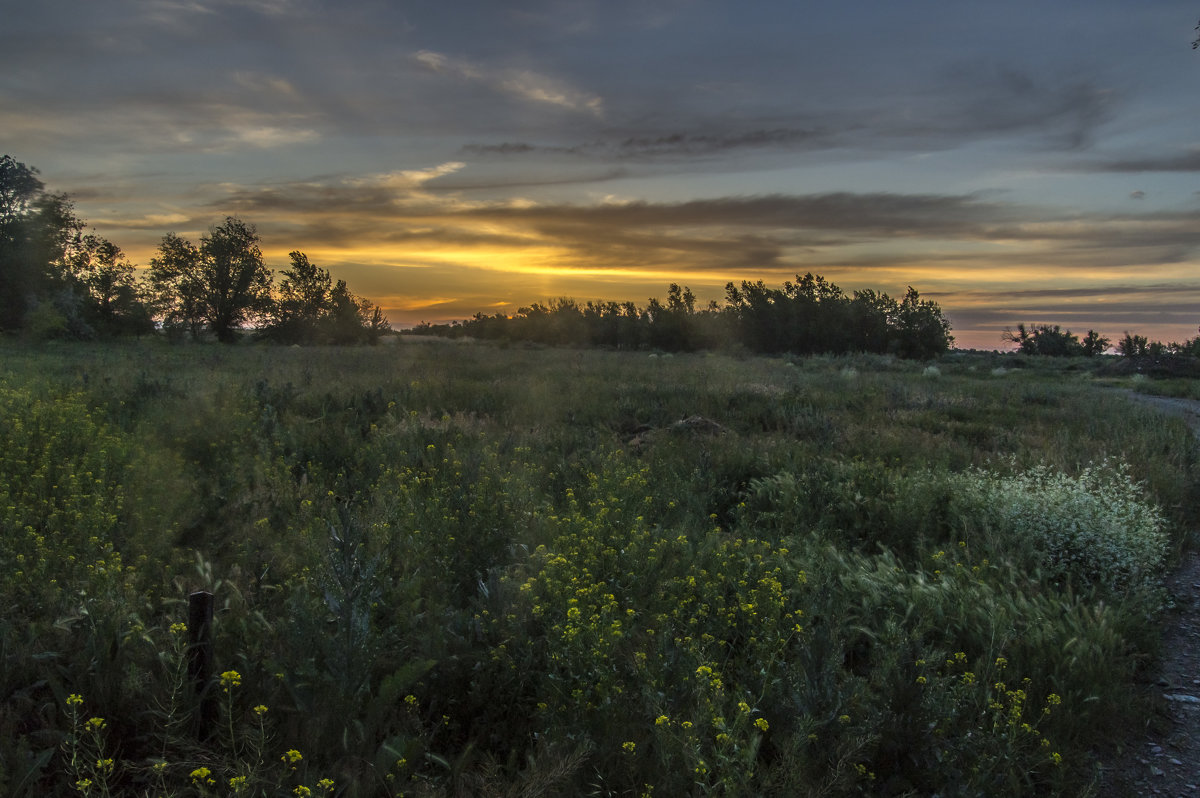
column 449, row 568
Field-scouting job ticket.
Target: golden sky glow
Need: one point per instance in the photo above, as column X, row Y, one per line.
column 994, row 156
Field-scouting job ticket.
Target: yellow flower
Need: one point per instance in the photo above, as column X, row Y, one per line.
column 74, row 700
column 230, row 679
column 291, row 757
column 762, row 724
column 326, row 785
column 201, row 775
column 302, row 791
column 662, row 720
column 178, row 628
column 628, row 747
column 260, row 710
column 95, row 724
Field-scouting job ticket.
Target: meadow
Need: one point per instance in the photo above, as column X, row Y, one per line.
column 452, row 568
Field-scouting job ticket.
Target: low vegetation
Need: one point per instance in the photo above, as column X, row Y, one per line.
column 445, row 568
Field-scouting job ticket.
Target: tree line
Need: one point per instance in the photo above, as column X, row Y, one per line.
column 808, row 316
column 58, row 281
column 1054, row 341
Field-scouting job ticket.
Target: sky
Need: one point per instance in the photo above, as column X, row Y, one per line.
column 1015, row 161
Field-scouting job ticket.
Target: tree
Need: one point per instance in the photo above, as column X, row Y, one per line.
column 113, row 302
column 1046, row 339
column 921, row 331
column 1094, row 344
column 36, row 232
column 303, row 303
column 352, row 319
column 221, row 284
column 1133, row 345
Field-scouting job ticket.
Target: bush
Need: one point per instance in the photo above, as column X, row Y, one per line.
column 1096, row 529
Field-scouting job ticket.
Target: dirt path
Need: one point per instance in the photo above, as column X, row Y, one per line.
column 1164, row 758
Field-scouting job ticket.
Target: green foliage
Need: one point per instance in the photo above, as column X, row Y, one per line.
column 448, row 568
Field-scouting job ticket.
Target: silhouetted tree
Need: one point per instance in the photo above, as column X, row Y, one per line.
column 114, row 302
column 36, row 232
column 1094, row 344
column 921, row 331
column 221, row 284
column 1133, row 345
column 1044, row 339
column 303, row 303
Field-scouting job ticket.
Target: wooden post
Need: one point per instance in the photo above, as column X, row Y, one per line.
column 200, row 661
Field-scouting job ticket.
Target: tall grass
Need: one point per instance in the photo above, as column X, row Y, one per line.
column 445, row 568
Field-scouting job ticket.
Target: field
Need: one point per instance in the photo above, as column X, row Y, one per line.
column 447, row 568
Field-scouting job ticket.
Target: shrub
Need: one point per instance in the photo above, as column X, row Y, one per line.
column 1096, row 529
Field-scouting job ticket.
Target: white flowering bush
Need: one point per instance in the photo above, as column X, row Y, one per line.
column 1097, row 528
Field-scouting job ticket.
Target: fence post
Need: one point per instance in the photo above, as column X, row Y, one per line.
column 200, row 660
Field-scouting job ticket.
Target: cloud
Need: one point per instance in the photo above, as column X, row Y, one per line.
column 668, row 144
column 766, row 233
column 1181, row 162
column 523, row 84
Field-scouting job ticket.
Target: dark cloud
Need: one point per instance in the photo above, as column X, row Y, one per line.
column 668, row 144
column 1184, row 162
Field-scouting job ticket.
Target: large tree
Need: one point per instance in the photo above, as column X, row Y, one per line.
column 37, row 231
column 221, row 285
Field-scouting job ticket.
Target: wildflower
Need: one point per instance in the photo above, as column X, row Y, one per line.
column 326, row 785
column 237, row 783
column 843, row 719
column 291, row 757
column 260, row 710
column 743, row 707
column 95, row 724
column 921, row 680
column 662, row 720
column 302, row 791
column 230, row 679
column 201, row 775
column 628, row 747
column 74, row 700
column 83, row 785
column 178, row 628
column 762, row 724
column 1056, row 758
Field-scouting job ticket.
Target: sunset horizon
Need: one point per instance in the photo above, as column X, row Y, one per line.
column 1015, row 163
